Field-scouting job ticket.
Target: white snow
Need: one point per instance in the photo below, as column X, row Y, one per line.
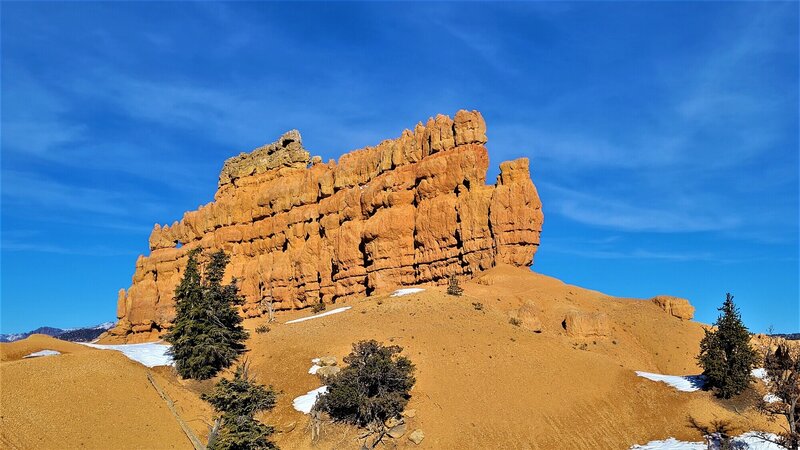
column 42, row 353
column 747, row 441
column 327, row 313
column 760, row 373
column 771, row 398
column 313, row 370
column 105, row 326
column 688, row 383
column 305, row 402
column 406, row 291
column 671, row 444
column 150, row 354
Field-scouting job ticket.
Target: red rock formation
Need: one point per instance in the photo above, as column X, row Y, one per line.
column 677, row 307
column 411, row 210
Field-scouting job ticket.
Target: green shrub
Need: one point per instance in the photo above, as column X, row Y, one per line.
column 453, row 287
column 515, row 321
column 782, row 363
column 263, row 328
column 318, row 307
column 725, row 353
column 372, row 388
column 238, row 400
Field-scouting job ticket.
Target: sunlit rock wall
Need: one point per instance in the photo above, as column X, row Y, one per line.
column 411, row 210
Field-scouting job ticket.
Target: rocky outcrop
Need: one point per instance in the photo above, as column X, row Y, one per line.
column 585, row 324
column 411, row 210
column 677, row 307
column 528, row 317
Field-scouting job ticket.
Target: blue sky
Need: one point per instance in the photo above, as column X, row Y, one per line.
column 663, row 137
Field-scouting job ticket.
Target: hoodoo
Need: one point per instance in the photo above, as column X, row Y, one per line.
column 411, row 210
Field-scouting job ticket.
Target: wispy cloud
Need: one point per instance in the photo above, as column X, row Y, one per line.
column 37, row 247
column 614, row 213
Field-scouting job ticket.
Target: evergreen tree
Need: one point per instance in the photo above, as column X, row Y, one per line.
column 725, row 353
column 238, row 400
column 207, row 335
column 373, row 387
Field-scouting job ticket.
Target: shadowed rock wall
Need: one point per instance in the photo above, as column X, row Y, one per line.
column 411, row 210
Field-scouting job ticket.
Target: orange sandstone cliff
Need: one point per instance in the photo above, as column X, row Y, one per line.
column 411, row 210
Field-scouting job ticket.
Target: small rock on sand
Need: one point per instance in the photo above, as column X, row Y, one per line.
column 327, row 371
column 327, row 360
column 416, row 436
column 397, row 431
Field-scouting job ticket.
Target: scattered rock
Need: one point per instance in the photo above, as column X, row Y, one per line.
column 393, row 422
column 677, row 307
column 410, row 413
column 408, row 211
column 397, row 431
column 326, row 361
column 416, row 436
column 585, row 324
column 328, row 371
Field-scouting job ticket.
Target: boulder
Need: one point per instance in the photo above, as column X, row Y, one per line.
column 586, row 324
column 677, row 307
column 528, row 317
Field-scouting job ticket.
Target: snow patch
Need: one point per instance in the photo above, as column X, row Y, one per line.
column 305, row 402
column 771, row 398
column 327, row 313
column 747, row 441
column 150, row 354
column 314, row 369
column 406, row 291
column 42, row 353
column 760, row 373
column 688, row 383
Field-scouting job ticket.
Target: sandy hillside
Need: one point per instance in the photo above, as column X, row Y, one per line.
column 482, row 383
column 87, row 398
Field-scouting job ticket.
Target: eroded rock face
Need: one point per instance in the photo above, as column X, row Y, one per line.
column 584, row 324
column 410, row 210
column 677, row 307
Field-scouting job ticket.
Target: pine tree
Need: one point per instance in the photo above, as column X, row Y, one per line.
column 207, row 335
column 725, row 353
column 238, row 400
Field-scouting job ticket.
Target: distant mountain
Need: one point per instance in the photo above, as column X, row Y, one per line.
column 84, row 334
column 788, row 336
